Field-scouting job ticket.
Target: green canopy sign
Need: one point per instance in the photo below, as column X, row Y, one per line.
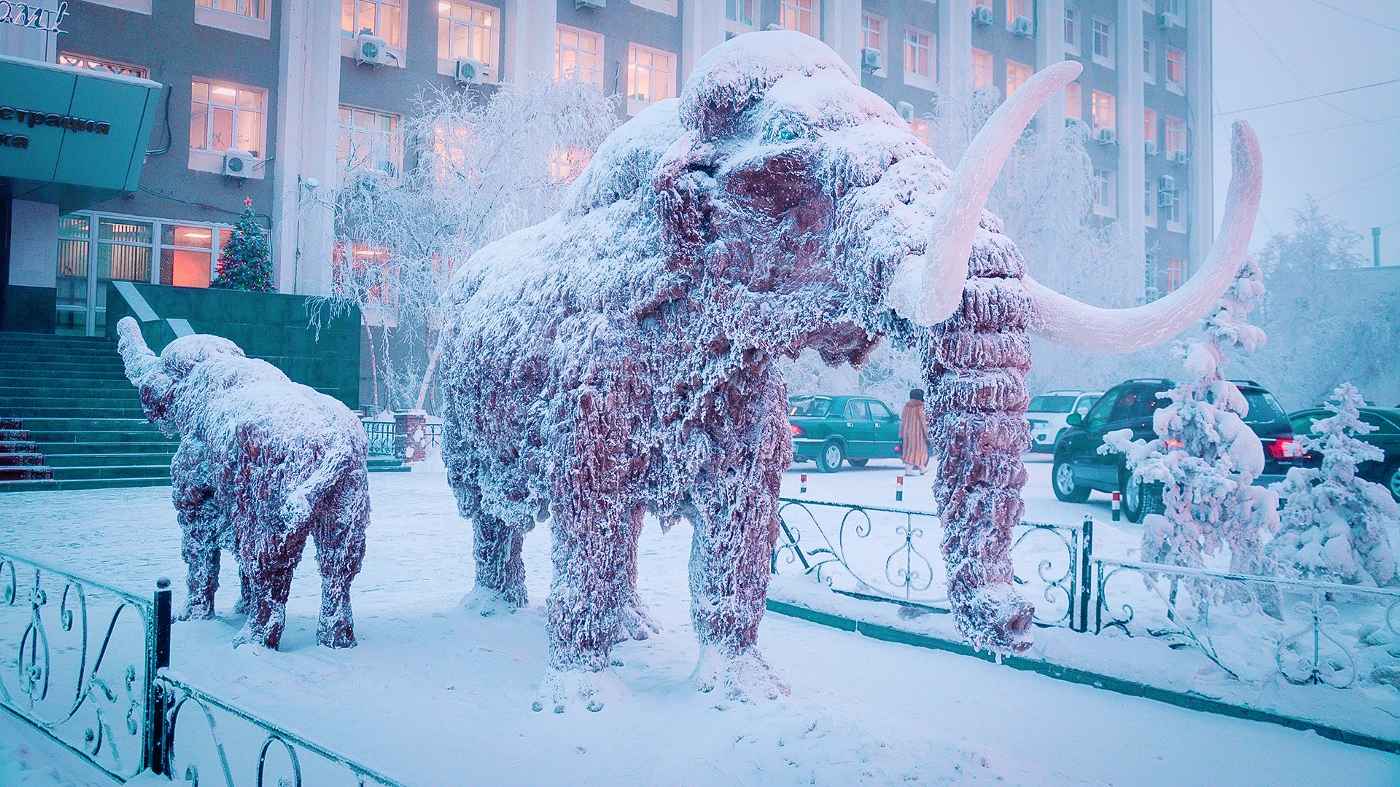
column 71, row 136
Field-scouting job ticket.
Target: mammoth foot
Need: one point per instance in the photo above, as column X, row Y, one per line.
column 197, row 609
column 336, row 633
column 241, row 608
column 636, row 622
column 994, row 617
column 487, row 602
column 267, row 634
column 562, row 689
column 743, row 677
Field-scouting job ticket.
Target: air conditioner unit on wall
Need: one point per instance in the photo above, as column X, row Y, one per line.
column 1150, row 147
column 1177, row 157
column 982, row 15
column 1166, row 183
column 905, row 110
column 1167, row 21
column 590, row 3
column 870, row 59
column 238, row 163
column 372, row 50
column 1106, row 136
column 1022, row 27
column 468, row 71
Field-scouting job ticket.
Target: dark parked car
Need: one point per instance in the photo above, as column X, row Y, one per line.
column 1079, row 467
column 1386, row 437
column 828, row 429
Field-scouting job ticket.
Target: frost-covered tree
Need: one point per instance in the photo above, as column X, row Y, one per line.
column 480, row 167
column 1335, row 526
column 1205, row 456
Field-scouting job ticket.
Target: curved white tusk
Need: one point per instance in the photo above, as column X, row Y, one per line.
column 137, row 358
column 927, row 291
column 1064, row 320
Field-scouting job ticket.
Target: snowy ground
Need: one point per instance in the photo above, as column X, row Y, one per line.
column 434, row 695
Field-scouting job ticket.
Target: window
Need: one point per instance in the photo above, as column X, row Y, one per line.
column 872, row 37
column 1176, row 135
column 981, row 68
column 253, row 9
column 1102, row 35
column 1016, row 75
column 1074, row 101
column 1176, row 274
column 467, row 30
column 857, row 410
column 226, row 116
column 370, row 140
column 743, row 12
column 651, row 76
column 921, row 130
column 1017, row 9
column 918, row 57
column 565, row 164
column 578, row 55
column 189, row 253
column 1169, row 201
column 1149, row 203
column 1102, row 105
column 108, row 66
column 1071, row 30
column 800, row 15
column 1105, row 196
column 1176, row 70
column 365, row 268
column 1149, row 61
column 1149, row 129
column 383, row 18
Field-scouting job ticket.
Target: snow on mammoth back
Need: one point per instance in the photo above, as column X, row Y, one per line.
column 617, row 359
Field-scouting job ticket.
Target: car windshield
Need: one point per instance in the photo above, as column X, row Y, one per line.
column 1051, row 404
column 1263, row 407
column 810, row 406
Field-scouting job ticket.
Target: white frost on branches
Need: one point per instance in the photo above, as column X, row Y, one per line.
column 1335, row 526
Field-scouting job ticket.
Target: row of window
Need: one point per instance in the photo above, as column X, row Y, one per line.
column 1103, row 52
column 1161, row 197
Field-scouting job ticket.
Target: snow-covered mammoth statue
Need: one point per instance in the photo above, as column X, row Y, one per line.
column 263, row 463
column 618, row 358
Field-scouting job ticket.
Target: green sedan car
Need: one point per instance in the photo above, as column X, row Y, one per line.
column 829, row 429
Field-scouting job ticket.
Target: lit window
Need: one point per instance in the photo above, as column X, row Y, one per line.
column 467, row 30
column 1149, row 203
column 1071, row 30
column 189, row 253
column 742, row 12
column 987, row 4
column 1074, row 101
column 253, row 9
column 364, row 271
column 1017, row 9
column 1176, row 274
column 226, row 116
column 921, row 130
column 1104, row 194
column 651, row 76
column 1016, row 75
column 918, row 57
column 1176, row 69
column 370, row 140
column 872, row 35
column 1149, row 128
column 1149, row 60
column 1103, row 42
column 577, row 55
column 106, row 66
column 1176, row 135
column 566, row 164
column 981, row 68
column 1102, row 105
column 383, row 18
column 799, row 15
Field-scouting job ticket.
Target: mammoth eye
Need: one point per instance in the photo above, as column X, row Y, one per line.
column 786, row 133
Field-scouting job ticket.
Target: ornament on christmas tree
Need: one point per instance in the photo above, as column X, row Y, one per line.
column 246, row 261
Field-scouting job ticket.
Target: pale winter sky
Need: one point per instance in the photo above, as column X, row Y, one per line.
column 1342, row 148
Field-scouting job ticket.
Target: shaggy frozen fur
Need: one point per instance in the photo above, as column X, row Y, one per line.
column 263, row 463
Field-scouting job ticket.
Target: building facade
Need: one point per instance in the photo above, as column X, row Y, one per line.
column 277, row 100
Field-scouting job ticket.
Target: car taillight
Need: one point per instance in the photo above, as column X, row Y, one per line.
column 1175, row 444
column 1286, row 448
column 796, row 430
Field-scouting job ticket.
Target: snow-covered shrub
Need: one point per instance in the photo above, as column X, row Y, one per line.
column 1334, row 525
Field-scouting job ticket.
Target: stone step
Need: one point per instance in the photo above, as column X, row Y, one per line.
column 21, row 459
column 163, row 447
column 66, row 381
column 112, row 471
column 112, row 459
column 46, row 396
column 28, row 366
column 17, row 446
column 25, row 473
column 82, row 483
column 139, row 433
column 15, row 434
column 8, row 424
column 36, row 414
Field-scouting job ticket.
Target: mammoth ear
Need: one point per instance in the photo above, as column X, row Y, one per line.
column 685, row 188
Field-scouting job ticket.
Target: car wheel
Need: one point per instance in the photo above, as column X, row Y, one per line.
column 831, row 457
column 1139, row 498
column 1392, row 478
column 1062, row 479
column 858, row 462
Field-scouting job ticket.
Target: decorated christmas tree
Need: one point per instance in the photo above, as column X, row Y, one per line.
column 246, row 262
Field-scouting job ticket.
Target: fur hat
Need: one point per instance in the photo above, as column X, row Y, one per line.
column 917, row 394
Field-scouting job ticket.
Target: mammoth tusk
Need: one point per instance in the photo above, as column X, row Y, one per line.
column 1063, row 320
column 928, row 291
column 136, row 356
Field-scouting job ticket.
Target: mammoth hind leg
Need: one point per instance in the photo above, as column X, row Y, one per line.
column 200, row 521
column 340, row 551
column 500, row 570
column 590, row 584
column 269, row 555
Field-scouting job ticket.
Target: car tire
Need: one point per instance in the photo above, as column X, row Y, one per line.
column 1062, row 480
column 858, row 462
column 829, row 460
column 1139, row 498
column 1391, row 478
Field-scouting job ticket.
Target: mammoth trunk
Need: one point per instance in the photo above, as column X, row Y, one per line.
column 975, row 365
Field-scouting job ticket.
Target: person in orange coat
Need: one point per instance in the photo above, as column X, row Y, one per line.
column 913, row 431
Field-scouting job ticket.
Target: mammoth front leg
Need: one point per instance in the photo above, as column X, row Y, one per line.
column 500, row 571
column 340, row 520
column 202, row 525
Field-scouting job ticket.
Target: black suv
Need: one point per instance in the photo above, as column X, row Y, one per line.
column 1079, row 467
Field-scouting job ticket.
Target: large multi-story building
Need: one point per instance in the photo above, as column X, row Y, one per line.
column 275, row 100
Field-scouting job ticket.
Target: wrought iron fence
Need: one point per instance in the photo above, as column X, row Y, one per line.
column 1320, row 632
column 891, row 554
column 87, row 665
column 385, row 439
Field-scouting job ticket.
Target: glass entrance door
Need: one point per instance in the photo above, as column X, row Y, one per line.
column 91, row 252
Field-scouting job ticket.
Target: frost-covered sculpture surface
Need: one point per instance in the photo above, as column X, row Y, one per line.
column 618, row 359
column 263, row 463
column 1335, row 526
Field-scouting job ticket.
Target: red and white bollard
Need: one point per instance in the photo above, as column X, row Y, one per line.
column 899, row 488
column 1117, row 504
column 803, row 488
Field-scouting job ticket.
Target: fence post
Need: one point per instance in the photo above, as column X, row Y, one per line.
column 157, row 658
column 1086, row 553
